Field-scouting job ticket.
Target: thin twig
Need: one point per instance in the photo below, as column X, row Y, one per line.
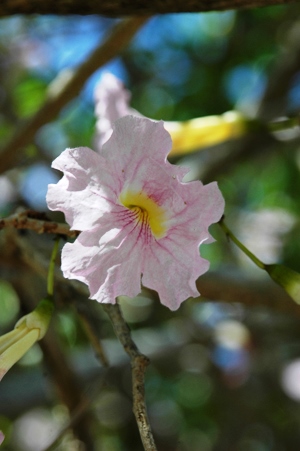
column 230, row 288
column 92, row 336
column 139, row 363
column 65, row 88
column 237, row 289
column 24, row 220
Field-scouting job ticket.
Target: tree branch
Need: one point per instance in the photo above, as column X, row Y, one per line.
column 275, row 99
column 139, row 363
column 272, row 106
column 64, row 89
column 127, row 7
column 92, row 335
column 248, row 292
column 38, row 223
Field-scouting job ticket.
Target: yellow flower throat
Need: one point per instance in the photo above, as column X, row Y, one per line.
column 146, row 210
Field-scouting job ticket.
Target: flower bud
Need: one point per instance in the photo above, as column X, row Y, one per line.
column 287, row 278
column 28, row 330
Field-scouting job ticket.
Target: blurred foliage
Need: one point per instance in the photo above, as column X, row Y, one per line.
column 223, row 377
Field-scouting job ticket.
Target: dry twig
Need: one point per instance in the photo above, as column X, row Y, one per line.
column 38, row 223
column 92, row 336
column 139, row 363
column 249, row 292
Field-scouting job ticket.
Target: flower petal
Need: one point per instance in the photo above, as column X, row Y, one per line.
column 111, row 103
column 204, row 205
column 11, row 355
column 172, row 270
column 133, row 140
column 86, row 190
column 11, row 337
column 111, row 268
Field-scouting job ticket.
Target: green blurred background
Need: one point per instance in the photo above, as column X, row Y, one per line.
column 225, row 368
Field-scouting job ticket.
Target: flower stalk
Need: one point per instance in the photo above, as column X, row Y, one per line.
column 246, row 251
column 51, row 270
column 286, row 277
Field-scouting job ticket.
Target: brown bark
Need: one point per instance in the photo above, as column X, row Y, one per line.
column 139, row 363
column 127, row 7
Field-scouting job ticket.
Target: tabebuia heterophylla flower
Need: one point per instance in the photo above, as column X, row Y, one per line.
column 139, row 222
column 111, row 103
column 28, row 330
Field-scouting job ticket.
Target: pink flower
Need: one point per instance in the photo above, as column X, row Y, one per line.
column 111, row 103
column 140, row 223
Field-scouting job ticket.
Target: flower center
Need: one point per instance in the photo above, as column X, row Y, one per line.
column 146, row 210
